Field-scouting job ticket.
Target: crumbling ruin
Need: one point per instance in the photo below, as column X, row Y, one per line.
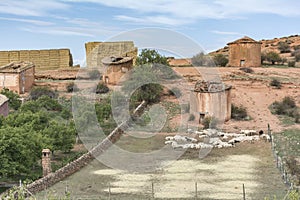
column 17, row 76
column 116, row 67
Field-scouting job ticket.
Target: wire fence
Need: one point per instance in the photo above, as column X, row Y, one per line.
column 284, row 148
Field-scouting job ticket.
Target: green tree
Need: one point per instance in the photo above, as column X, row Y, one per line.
column 220, row 60
column 14, row 98
column 150, row 91
column 151, row 56
column 273, row 57
column 19, row 151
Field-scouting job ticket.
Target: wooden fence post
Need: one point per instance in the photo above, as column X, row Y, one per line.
column 152, row 189
column 244, row 193
column 196, row 190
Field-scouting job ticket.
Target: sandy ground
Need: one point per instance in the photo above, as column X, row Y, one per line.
column 253, row 92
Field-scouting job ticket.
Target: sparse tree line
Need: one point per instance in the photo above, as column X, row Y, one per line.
column 202, row 59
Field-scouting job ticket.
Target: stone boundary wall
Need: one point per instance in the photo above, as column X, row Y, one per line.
column 71, row 168
column 42, row 59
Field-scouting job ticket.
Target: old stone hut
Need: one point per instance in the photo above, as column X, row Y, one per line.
column 244, row 52
column 116, row 67
column 4, row 109
column 212, row 99
column 17, row 76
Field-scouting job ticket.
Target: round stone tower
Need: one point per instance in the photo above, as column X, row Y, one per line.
column 244, row 52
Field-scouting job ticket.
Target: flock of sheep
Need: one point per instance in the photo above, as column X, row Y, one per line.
column 214, row 139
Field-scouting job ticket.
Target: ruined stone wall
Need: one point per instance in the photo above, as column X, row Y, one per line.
column 216, row 104
column 249, row 52
column 28, row 81
column 43, row 59
column 96, row 51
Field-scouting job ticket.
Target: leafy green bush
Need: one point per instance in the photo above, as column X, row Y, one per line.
column 72, row 87
column 14, row 98
column 238, row 112
column 275, row 83
column 39, row 91
column 101, row 88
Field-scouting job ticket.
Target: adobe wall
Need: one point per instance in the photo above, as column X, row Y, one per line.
column 42, row 59
column 216, row 104
column 96, row 51
column 10, row 81
column 249, row 52
column 28, row 79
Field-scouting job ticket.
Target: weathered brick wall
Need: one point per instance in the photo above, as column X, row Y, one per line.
column 96, row 51
column 43, row 59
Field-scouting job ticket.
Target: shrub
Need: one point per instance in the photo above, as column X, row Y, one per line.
column 94, row 74
column 247, row 69
column 238, row 112
column 291, row 64
column 273, row 57
column 191, row 117
column 37, row 92
column 72, row 87
column 220, row 60
column 284, row 47
column 210, row 122
column 286, row 107
column 102, row 88
column 14, row 99
column 175, row 92
column 201, row 59
column 275, row 83
column 297, row 55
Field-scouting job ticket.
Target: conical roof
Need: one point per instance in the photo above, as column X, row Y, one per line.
column 245, row 39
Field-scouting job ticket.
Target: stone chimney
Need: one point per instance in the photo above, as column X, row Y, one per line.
column 46, row 162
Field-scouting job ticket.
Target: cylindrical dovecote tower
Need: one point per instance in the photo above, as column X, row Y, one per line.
column 212, row 99
column 244, row 52
column 46, row 162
